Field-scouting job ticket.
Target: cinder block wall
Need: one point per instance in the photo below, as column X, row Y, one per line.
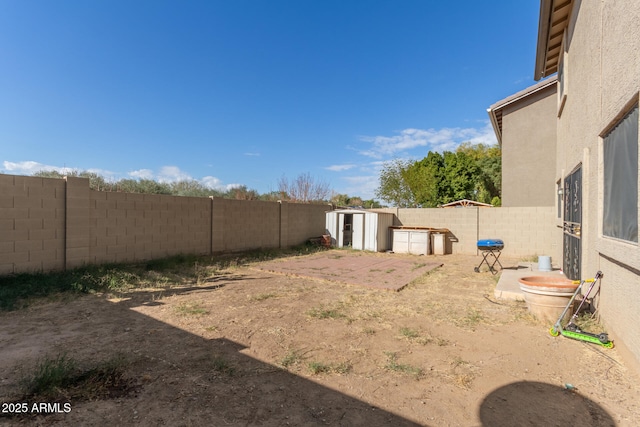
column 55, row 224
column 526, row 231
column 240, row 225
column 462, row 225
column 303, row 221
column 32, row 224
column 129, row 227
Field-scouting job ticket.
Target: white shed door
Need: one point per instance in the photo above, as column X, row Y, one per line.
column 340, row 230
column 358, row 232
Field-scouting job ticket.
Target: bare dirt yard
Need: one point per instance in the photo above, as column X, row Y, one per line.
column 246, row 345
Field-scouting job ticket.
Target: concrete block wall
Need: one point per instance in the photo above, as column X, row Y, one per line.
column 32, row 224
column 56, row 224
column 462, row 224
column 526, row 231
column 241, row 225
column 302, row 222
column 130, row 227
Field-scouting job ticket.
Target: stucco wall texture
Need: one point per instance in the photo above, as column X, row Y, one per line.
column 55, row 224
column 602, row 82
column 529, row 150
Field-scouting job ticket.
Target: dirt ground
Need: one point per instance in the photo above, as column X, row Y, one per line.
column 250, row 347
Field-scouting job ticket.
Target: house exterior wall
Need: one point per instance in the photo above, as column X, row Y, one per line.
column 529, row 149
column 601, row 74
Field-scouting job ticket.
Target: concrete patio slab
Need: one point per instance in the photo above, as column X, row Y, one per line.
column 375, row 270
column 508, row 287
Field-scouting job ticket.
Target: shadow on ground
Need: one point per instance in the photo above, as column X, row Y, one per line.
column 530, row 403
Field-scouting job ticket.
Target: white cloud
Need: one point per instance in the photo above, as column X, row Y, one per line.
column 252, row 154
column 172, row 174
column 30, row 167
column 166, row 174
column 340, row 168
column 445, row 139
column 142, row 174
column 363, row 186
column 216, row 184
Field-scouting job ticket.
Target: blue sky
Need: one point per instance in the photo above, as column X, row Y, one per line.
column 244, row 92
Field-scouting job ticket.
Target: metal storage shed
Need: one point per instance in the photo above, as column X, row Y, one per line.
column 359, row 229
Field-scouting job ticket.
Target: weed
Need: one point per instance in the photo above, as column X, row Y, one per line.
column 325, row 313
column 342, row 368
column 458, row 361
column 393, row 365
column 319, row 368
column 50, row 375
column 409, row 333
column 191, row 309
column 463, row 372
column 219, row 364
column 369, row 331
column 262, row 297
column 464, row 380
column 293, row 357
column 442, row 342
column 20, row 290
column 588, row 322
column 471, row 319
column 62, row 377
column 390, row 270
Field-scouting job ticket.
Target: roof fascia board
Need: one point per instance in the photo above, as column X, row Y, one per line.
column 515, row 98
column 544, row 28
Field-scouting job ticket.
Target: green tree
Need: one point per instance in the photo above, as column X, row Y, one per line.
column 489, row 178
column 425, row 178
column 241, row 193
column 144, row 186
column 393, row 186
column 460, row 175
column 191, row 188
column 471, row 172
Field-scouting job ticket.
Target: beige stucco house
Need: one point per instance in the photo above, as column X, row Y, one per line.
column 594, row 48
column 525, row 126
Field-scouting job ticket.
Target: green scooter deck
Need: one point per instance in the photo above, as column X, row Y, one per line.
column 581, row 336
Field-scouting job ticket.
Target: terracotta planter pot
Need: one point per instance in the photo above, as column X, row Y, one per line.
column 546, row 296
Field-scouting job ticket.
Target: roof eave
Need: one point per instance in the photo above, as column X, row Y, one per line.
column 544, row 25
column 494, row 123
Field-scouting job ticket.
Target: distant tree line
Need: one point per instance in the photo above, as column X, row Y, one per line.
column 471, row 172
column 303, row 189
